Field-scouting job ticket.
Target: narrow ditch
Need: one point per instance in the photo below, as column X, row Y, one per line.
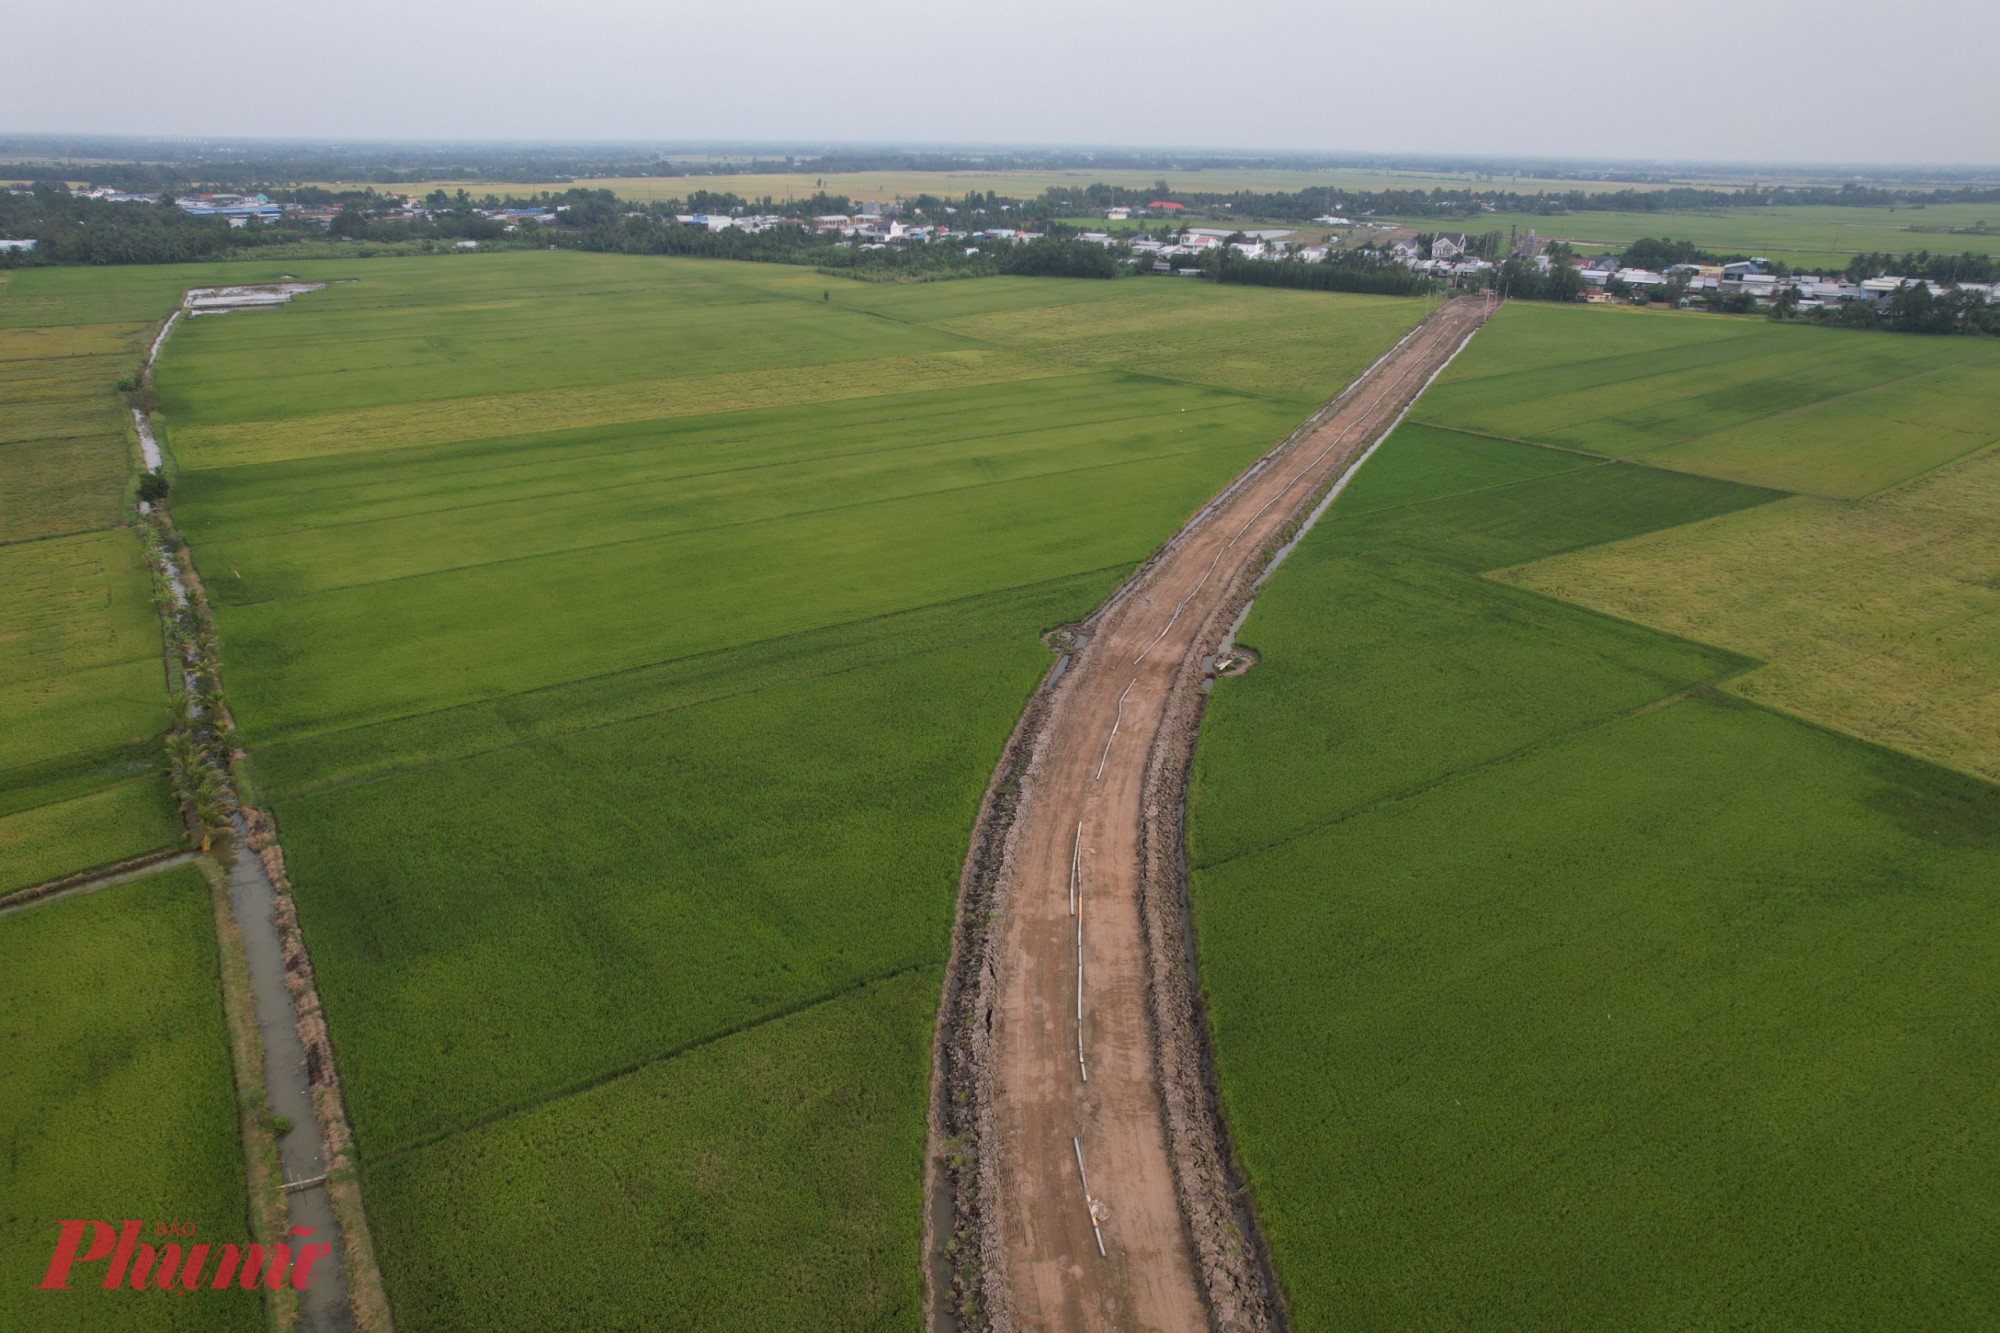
column 300, row 1086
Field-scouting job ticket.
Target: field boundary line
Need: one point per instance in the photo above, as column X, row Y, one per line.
column 1713, row 685
column 1882, row 491
column 64, row 536
column 97, row 877
column 558, row 551
column 666, row 479
column 1453, row 495
column 684, row 658
column 556, row 734
column 1515, row 439
column 627, row 1070
column 1746, row 329
column 1030, row 371
column 1783, row 412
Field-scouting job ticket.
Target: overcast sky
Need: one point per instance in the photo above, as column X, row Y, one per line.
column 1761, row 80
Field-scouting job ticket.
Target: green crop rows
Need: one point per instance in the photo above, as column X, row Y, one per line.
column 1807, row 236
column 82, row 681
column 116, row 1098
column 1550, row 986
column 623, row 646
column 1772, row 405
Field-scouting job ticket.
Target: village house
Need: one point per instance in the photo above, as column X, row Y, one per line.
column 1448, row 245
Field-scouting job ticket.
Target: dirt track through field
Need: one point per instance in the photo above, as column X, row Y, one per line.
column 1092, row 1150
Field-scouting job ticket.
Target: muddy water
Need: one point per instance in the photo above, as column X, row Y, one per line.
column 148, row 446
column 286, row 1087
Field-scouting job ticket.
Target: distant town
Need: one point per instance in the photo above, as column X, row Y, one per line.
column 1153, row 236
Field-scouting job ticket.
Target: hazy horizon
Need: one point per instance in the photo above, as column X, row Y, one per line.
column 1767, row 82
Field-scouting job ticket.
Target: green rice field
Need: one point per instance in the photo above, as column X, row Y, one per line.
column 1869, row 595
column 623, row 646
column 116, row 1099
column 1798, row 408
column 1805, row 236
column 1552, row 983
column 82, row 682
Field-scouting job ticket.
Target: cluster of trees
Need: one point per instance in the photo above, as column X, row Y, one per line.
column 1344, row 271
column 1464, row 202
column 1911, row 309
column 1941, row 269
column 1522, row 280
column 372, row 217
column 647, row 233
column 69, row 229
column 1662, row 253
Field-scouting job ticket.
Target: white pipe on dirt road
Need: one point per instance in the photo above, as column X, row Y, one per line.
column 1089, row 1206
column 1075, row 865
column 1116, row 722
column 1230, row 544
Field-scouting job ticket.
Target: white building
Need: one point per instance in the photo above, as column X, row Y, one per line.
column 1640, row 277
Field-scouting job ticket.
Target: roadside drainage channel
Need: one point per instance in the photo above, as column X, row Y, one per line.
column 287, row 1083
column 287, row 1088
column 75, row 885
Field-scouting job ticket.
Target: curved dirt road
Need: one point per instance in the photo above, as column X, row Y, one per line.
column 1073, row 1061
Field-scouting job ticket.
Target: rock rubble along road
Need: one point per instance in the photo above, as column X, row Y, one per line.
column 1074, row 1064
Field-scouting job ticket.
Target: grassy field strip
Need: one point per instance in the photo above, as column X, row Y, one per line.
column 110, row 824
column 326, row 558
column 82, row 682
column 1475, row 768
column 672, row 1159
column 590, row 626
column 370, row 752
column 471, row 474
column 1801, row 234
column 368, row 430
column 1775, row 406
column 990, row 348
column 694, row 878
column 1729, row 411
column 357, row 577
column 528, row 1106
column 1880, row 619
column 1651, row 1007
column 112, row 1045
column 1850, row 449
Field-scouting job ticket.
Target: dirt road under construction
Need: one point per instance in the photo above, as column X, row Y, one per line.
column 1103, row 1199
